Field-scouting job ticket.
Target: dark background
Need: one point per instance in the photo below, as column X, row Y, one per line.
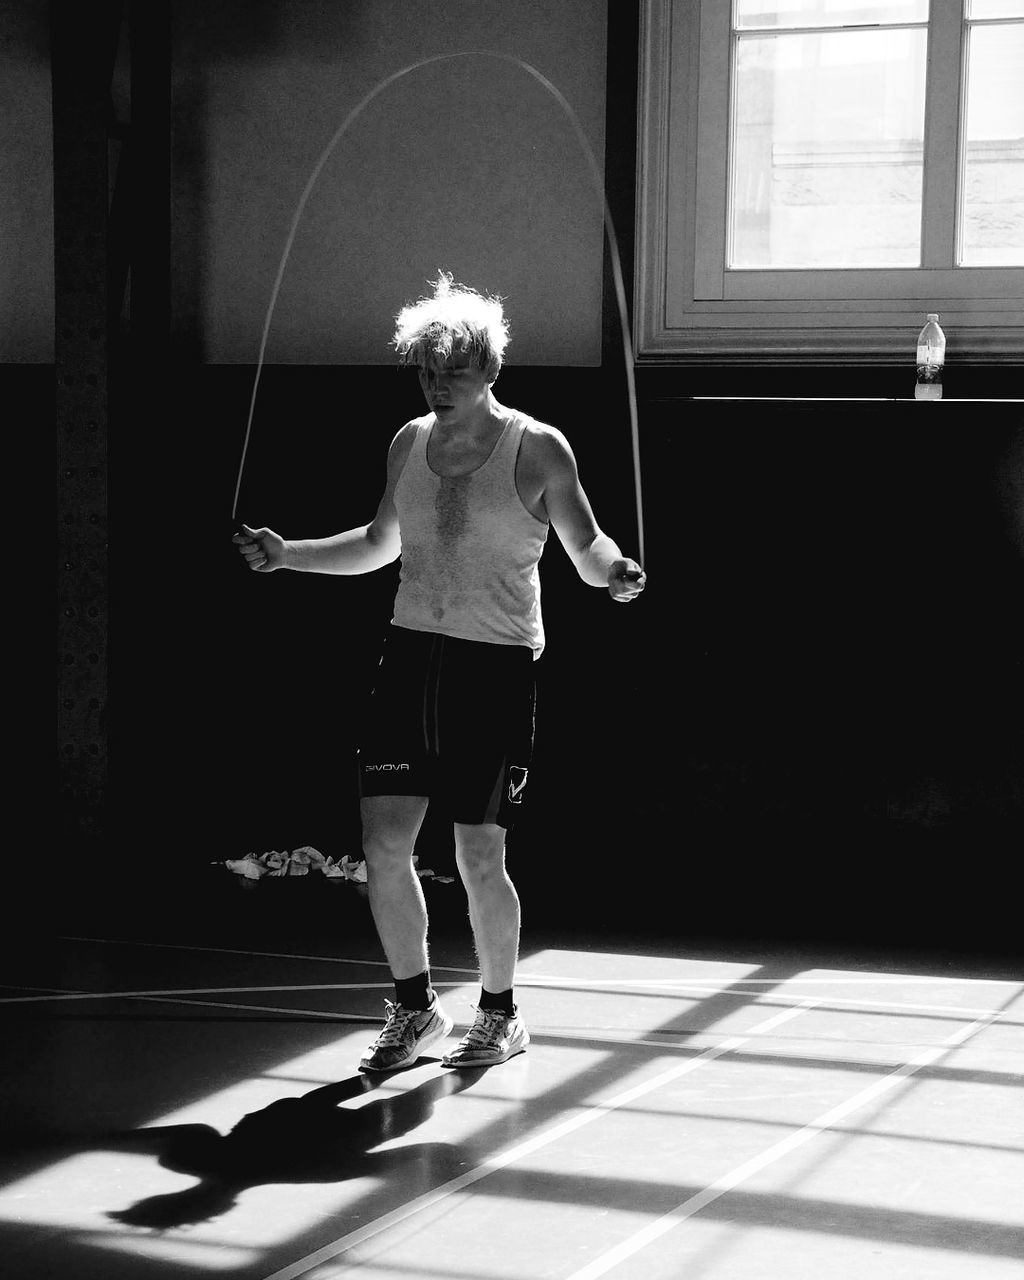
column 809, row 726
column 808, row 729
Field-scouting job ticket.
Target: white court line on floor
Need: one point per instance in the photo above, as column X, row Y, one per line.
column 729, row 1181
column 51, row 994
column 840, row 976
column 527, row 978
column 69, row 994
column 584, row 1035
column 733, row 992
column 177, row 997
column 267, row 955
column 304, row 1265
column 552, row 1033
column 867, row 1003
column 263, row 1008
column 44, row 994
column 683, row 1038
column 556, row 1034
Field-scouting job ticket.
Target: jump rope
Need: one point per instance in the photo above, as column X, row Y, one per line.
column 613, row 249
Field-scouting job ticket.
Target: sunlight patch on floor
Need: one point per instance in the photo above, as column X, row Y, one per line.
column 592, row 1139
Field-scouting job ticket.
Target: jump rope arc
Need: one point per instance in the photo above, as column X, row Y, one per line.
column 613, row 249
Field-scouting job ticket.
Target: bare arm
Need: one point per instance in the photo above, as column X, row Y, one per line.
column 597, row 557
column 359, row 550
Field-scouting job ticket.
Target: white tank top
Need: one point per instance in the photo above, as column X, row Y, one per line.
column 470, row 549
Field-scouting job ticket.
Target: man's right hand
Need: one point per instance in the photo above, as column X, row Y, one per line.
column 262, row 549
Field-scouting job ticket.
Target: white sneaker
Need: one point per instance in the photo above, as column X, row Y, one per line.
column 407, row 1033
column 494, row 1037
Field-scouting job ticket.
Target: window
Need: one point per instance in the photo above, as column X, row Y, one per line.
column 817, row 174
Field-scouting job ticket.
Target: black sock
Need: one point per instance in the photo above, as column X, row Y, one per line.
column 414, row 993
column 501, row 1001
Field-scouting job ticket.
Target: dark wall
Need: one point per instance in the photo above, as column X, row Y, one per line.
column 809, row 725
column 442, row 166
column 468, row 163
column 844, row 655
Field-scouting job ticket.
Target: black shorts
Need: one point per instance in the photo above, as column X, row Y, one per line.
column 451, row 720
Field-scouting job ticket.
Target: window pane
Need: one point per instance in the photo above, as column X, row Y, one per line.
column 831, row 13
column 827, row 150
column 992, row 229
column 978, row 9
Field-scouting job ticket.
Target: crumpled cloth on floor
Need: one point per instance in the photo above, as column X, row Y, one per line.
column 299, row 862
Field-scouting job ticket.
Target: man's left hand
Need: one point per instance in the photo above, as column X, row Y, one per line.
column 625, row 580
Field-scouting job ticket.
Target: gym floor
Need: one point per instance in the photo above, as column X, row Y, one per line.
column 183, row 1100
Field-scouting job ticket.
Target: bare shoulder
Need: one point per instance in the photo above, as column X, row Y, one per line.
column 405, row 435
column 546, row 449
column 401, row 444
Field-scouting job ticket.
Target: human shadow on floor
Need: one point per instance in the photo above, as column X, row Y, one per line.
column 305, row 1139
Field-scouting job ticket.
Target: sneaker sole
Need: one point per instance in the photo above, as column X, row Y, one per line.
column 444, row 1028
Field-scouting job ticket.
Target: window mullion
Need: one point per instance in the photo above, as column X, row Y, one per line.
column 712, row 170
column 942, row 135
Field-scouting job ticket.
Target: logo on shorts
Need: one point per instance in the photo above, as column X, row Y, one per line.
column 517, row 781
column 384, row 768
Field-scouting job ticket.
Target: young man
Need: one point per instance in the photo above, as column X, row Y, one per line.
column 472, row 488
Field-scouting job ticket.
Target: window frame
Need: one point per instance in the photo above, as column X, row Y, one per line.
column 688, row 305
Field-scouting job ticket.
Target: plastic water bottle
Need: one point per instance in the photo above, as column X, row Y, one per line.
column 931, row 352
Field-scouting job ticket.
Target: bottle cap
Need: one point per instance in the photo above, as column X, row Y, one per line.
column 932, row 315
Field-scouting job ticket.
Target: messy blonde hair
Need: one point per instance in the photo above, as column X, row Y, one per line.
column 454, row 318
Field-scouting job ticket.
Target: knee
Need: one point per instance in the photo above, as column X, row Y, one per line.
column 480, row 853
column 383, row 847
column 388, row 836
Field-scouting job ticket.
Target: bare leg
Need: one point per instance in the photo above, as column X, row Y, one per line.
column 493, row 902
column 390, row 827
